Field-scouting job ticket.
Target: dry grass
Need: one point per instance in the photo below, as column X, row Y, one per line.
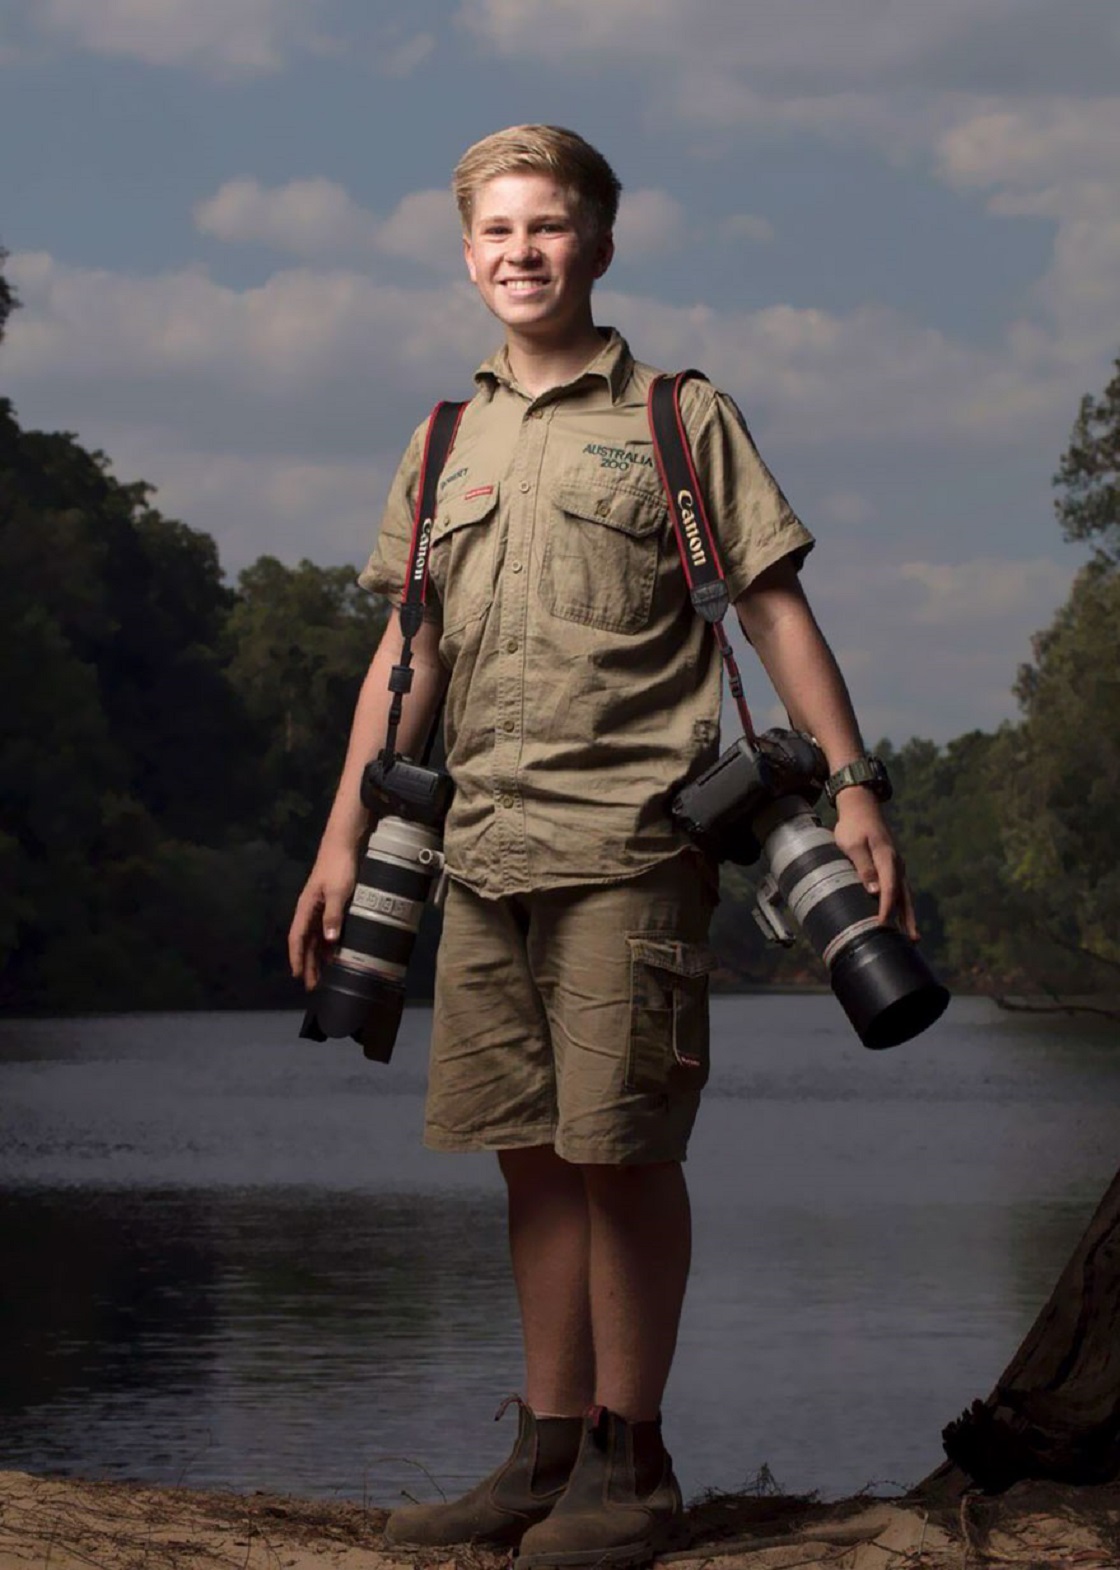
column 64, row 1524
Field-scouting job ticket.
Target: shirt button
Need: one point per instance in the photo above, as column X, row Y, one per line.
column 511, row 646
column 524, row 486
column 509, row 724
column 507, row 801
column 602, row 508
column 515, row 567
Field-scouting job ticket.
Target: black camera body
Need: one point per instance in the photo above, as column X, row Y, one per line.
column 717, row 810
column 411, row 790
column 756, row 801
column 361, row 992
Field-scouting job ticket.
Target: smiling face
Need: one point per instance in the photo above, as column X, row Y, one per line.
column 533, row 257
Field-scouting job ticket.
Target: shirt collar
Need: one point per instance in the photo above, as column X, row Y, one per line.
column 613, row 365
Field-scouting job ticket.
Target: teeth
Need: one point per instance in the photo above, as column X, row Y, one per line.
column 523, row 283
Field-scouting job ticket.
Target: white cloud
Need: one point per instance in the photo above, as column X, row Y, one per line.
column 260, row 503
column 306, row 217
column 245, row 37
column 288, row 336
column 1031, row 146
column 424, row 227
column 847, row 507
column 400, row 59
column 749, row 226
column 809, row 375
column 648, row 220
column 959, row 592
column 831, row 39
column 1054, row 159
column 318, row 218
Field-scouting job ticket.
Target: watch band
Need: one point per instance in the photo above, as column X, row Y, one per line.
column 866, row 770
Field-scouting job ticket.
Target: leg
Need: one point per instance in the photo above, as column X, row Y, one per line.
column 549, row 1237
column 640, row 1250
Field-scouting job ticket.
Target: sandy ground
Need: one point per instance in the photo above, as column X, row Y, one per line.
column 65, row 1524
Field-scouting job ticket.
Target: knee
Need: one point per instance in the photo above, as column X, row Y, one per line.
column 617, row 1184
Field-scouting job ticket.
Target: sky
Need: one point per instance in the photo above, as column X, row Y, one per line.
column 889, row 228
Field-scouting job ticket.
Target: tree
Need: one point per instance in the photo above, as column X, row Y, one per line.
column 9, row 300
column 300, row 640
column 1061, row 772
column 1055, row 1409
column 1089, row 474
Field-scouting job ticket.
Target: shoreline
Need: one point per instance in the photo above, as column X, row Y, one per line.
column 65, row 1523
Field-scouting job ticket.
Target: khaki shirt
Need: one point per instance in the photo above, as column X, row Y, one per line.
column 584, row 689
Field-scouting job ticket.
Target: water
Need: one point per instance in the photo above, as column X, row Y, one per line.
column 226, row 1259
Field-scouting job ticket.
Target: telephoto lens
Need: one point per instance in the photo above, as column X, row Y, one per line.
column 880, row 979
column 361, row 992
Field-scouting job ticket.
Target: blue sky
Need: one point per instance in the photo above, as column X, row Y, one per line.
column 890, row 228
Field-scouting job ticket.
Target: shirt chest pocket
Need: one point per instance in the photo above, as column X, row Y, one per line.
column 600, row 559
column 463, row 552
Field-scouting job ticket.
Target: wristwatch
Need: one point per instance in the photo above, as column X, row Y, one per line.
column 866, row 770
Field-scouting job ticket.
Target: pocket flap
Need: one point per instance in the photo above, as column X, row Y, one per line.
column 630, row 511
column 679, row 959
column 473, row 505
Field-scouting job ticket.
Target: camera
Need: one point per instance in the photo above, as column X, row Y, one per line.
column 756, row 801
column 361, row 992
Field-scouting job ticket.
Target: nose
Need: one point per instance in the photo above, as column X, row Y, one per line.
column 524, row 251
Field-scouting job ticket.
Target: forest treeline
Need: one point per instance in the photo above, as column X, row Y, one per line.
column 171, row 743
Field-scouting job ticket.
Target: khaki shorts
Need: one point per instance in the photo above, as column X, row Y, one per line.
column 574, row 1017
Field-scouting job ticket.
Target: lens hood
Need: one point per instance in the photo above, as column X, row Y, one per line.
column 886, row 988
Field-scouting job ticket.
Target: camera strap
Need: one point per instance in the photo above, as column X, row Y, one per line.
column 696, row 539
column 443, row 423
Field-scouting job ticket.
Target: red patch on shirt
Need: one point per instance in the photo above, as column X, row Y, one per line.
column 479, row 490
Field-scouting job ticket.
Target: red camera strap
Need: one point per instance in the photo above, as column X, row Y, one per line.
column 696, row 539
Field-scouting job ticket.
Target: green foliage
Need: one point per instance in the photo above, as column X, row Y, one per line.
column 8, row 299
column 1062, row 824
column 1089, row 474
column 300, row 640
column 145, row 859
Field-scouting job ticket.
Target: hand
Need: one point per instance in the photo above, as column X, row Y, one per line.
column 319, row 911
column 862, row 834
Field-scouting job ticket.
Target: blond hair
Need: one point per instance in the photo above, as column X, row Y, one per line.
column 541, row 149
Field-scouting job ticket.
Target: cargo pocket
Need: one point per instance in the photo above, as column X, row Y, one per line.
column 600, row 559
column 463, row 554
column 668, row 1014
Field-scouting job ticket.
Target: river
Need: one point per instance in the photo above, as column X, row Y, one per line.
column 225, row 1258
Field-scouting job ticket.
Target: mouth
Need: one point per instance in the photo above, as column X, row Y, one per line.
column 523, row 285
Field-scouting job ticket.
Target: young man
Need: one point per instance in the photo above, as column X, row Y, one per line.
column 570, row 1023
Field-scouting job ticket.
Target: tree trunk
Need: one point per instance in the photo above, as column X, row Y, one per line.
column 1055, row 1412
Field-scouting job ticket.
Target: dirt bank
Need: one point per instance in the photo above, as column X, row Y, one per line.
column 64, row 1524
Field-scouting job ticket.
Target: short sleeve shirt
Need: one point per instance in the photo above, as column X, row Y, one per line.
column 584, row 690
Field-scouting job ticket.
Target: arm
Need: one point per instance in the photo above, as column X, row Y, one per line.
column 319, row 910
column 777, row 618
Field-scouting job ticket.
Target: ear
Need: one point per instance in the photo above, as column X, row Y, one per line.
column 604, row 254
column 468, row 257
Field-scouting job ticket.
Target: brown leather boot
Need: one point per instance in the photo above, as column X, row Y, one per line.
column 621, row 1502
column 504, row 1505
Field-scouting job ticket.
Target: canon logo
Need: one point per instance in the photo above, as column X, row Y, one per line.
column 422, row 549
column 691, row 527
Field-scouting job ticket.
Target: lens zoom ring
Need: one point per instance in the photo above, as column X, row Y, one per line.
column 379, row 940
column 387, row 875
column 826, row 922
